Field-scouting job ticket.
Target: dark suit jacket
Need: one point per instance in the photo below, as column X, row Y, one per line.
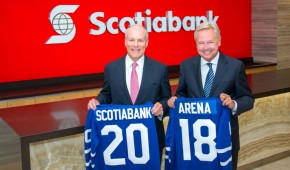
column 154, row 88
column 230, row 78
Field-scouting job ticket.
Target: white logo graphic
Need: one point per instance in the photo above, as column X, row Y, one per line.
column 62, row 24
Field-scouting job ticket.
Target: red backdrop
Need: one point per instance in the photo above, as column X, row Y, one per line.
column 25, row 29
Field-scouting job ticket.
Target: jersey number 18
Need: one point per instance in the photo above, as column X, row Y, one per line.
column 200, row 140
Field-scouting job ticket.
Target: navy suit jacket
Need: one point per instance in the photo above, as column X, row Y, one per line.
column 230, row 78
column 154, row 88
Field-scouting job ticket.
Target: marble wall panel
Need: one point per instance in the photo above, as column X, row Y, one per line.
column 265, row 130
column 65, row 153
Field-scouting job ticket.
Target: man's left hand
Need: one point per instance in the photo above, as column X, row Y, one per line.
column 157, row 109
column 227, row 100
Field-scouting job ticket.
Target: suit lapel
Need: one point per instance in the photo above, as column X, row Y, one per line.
column 221, row 69
column 121, row 71
column 197, row 77
column 147, row 71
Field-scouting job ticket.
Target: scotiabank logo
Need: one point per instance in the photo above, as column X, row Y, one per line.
column 168, row 23
column 62, row 23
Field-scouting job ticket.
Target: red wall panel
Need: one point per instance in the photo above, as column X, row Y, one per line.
column 26, row 28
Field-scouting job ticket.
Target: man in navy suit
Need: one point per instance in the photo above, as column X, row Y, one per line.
column 229, row 84
column 152, row 75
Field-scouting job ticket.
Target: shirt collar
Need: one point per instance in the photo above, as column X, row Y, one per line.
column 213, row 61
column 129, row 62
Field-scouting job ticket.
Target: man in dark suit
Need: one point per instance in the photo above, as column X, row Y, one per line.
column 229, row 84
column 153, row 81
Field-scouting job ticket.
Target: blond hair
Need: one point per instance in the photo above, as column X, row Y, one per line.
column 207, row 25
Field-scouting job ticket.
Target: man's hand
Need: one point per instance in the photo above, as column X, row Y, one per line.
column 170, row 101
column 157, row 109
column 92, row 104
column 227, row 101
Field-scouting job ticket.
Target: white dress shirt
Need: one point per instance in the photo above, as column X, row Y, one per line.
column 204, row 67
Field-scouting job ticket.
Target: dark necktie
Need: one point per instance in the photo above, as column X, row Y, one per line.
column 208, row 80
column 134, row 83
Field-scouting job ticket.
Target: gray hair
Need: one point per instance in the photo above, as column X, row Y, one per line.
column 207, row 25
column 140, row 26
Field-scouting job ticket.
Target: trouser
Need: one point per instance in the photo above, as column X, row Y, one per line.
column 235, row 154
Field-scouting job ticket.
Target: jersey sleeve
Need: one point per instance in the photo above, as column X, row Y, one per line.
column 90, row 141
column 87, row 139
column 170, row 142
column 224, row 145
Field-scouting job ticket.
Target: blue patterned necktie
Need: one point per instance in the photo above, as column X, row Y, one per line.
column 208, row 80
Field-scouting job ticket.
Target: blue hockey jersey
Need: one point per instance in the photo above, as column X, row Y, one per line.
column 198, row 135
column 121, row 137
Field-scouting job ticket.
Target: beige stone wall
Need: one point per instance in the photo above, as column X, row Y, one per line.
column 65, row 153
column 265, row 130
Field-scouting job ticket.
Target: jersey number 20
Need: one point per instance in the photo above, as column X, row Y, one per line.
column 130, row 144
